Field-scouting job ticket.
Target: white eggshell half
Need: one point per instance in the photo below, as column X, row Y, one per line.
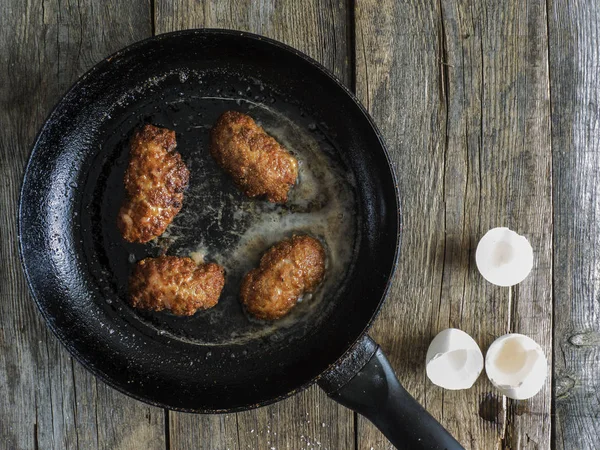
column 454, row 360
column 516, row 365
column 504, row 257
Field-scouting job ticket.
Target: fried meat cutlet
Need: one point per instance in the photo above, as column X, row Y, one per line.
column 175, row 283
column 258, row 164
column 154, row 180
column 286, row 271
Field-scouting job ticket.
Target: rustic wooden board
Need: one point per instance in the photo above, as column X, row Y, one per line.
column 460, row 90
column 48, row 401
column 574, row 28
column 309, row 419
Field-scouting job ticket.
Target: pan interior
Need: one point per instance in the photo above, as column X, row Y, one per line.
column 217, row 222
column 77, row 264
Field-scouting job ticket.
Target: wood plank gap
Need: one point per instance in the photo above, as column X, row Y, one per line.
column 351, row 20
column 443, row 59
column 443, row 65
column 167, row 428
column 355, row 431
column 352, row 43
column 36, row 437
column 503, row 441
column 153, row 16
column 97, row 422
column 552, row 206
column 75, row 412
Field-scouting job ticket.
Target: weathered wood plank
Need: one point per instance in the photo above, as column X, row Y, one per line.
column 498, row 143
column 190, row 432
column 309, row 419
column 47, row 400
column 517, row 99
column 460, row 90
column 398, row 79
column 574, row 28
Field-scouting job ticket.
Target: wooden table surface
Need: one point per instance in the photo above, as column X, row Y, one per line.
column 490, row 109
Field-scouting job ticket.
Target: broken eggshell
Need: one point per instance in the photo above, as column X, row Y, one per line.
column 516, row 365
column 504, row 257
column 454, row 360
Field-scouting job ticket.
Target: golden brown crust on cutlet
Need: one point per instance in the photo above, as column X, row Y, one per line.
column 286, row 271
column 155, row 180
column 258, row 164
column 175, row 283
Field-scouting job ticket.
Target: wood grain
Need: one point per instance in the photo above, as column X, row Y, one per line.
column 398, row 78
column 309, row 419
column 574, row 29
column 460, row 90
column 48, row 401
column 318, row 28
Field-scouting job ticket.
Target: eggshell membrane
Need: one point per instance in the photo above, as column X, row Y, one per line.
column 454, row 360
column 516, row 365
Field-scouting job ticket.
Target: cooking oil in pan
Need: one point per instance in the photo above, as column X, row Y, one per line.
column 321, row 204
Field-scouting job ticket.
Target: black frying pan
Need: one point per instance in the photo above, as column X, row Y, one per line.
column 219, row 360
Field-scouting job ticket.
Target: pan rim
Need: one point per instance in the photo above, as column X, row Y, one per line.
column 83, row 359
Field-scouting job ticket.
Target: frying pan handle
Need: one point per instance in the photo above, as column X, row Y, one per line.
column 366, row 383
